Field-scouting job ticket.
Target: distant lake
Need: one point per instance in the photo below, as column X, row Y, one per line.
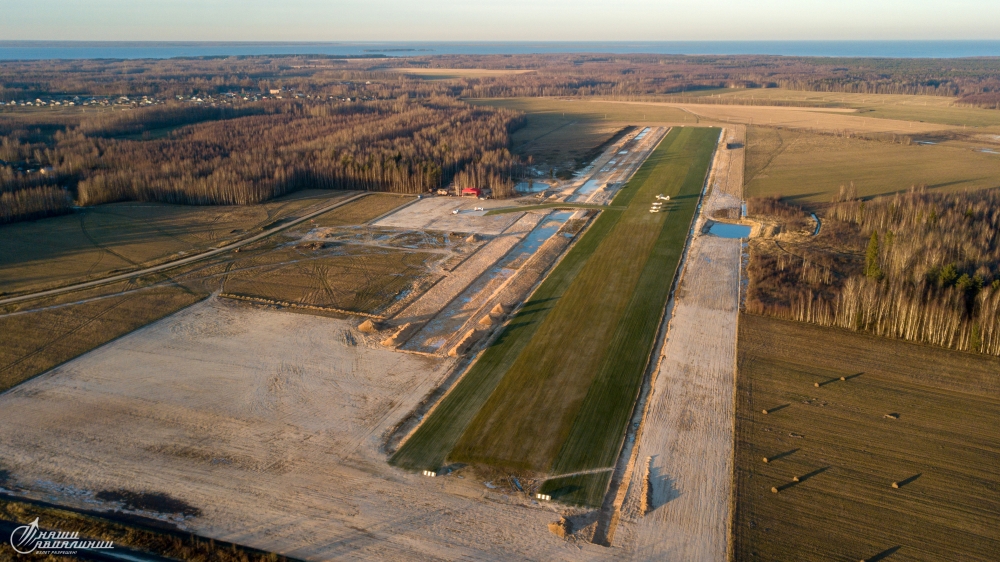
column 35, row 50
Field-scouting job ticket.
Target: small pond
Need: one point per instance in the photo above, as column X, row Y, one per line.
column 724, row 230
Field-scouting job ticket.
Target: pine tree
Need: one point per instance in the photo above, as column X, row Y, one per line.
column 872, row 269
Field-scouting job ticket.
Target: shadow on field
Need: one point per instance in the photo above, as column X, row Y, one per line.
column 662, row 488
column 909, row 480
column 782, row 455
column 800, row 479
column 776, row 408
column 839, row 379
column 882, row 555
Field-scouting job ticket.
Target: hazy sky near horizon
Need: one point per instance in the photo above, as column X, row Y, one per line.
column 497, row 20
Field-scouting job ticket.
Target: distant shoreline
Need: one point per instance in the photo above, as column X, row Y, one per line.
column 41, row 50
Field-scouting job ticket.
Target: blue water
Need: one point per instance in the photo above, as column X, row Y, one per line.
column 33, row 50
column 723, row 230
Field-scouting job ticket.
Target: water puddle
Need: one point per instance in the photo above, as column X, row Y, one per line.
column 988, row 151
column 724, row 230
column 589, row 187
column 643, row 134
column 432, row 337
column 531, row 186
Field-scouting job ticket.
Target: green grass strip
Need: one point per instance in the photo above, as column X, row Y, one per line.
column 582, row 489
column 601, row 423
column 428, row 447
column 532, row 413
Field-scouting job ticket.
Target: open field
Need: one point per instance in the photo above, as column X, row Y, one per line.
column 361, row 211
column 563, row 132
column 269, row 424
column 545, row 371
column 451, row 73
column 810, row 168
column 922, row 417
column 42, row 333
column 930, row 109
column 96, row 241
column 36, row 341
column 354, row 278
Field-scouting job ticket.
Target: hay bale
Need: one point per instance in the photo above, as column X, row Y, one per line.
column 795, row 479
column 843, row 378
column 765, row 412
column 472, row 239
column 368, row 327
column 774, row 490
column 486, row 321
column 500, row 309
column 895, row 485
column 816, row 384
column 765, row 460
column 401, row 335
column 558, row 528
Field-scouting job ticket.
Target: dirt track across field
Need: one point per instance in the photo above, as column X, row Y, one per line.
column 270, row 423
column 678, row 503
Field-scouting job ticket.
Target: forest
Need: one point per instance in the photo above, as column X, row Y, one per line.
column 245, row 155
column 918, row 266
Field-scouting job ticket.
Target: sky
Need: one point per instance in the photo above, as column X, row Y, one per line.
column 493, row 20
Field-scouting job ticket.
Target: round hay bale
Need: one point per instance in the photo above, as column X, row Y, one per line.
column 774, row 490
column 843, row 378
column 765, row 459
column 765, row 412
column 795, row 479
column 895, row 484
column 816, row 384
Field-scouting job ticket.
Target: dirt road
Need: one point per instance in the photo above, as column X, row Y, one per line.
column 678, row 503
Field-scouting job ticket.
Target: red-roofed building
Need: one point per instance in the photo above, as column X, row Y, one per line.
column 472, row 192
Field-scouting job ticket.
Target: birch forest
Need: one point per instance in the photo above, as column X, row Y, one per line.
column 919, row 266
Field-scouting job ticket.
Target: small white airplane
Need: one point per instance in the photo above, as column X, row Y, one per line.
column 663, row 197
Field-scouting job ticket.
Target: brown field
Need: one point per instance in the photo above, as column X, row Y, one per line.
column 36, row 341
column 452, row 73
column 810, row 168
column 363, row 210
column 840, row 439
column 354, row 278
column 819, row 119
column 930, row 109
column 97, row 241
column 560, row 132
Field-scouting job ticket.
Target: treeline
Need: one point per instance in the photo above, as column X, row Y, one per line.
column 918, row 266
column 224, row 156
column 975, row 80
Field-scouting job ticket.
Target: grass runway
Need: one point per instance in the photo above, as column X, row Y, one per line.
column 554, row 393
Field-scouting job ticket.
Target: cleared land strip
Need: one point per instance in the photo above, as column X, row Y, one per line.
column 569, row 363
column 680, row 488
column 438, row 296
column 182, row 261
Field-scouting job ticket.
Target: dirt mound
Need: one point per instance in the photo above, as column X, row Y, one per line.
column 369, row 327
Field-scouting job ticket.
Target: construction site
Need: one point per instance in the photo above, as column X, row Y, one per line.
column 272, row 405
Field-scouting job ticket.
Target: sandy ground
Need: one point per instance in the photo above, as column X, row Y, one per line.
column 615, row 166
column 270, row 422
column 678, row 503
column 435, row 213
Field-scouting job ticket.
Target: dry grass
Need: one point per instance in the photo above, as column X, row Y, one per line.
column 810, row 168
column 363, row 210
column 941, row 447
column 562, row 131
column 97, row 241
column 930, row 109
column 348, row 277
